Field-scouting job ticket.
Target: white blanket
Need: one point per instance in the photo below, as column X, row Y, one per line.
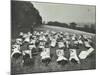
column 84, row 54
column 61, row 58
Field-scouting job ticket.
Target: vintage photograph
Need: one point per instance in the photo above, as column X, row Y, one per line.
column 52, row 37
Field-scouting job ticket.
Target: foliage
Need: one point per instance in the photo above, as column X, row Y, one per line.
column 24, row 14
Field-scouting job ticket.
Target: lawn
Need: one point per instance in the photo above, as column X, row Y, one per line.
column 38, row 67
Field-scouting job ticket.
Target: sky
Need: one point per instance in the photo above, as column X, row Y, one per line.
column 66, row 13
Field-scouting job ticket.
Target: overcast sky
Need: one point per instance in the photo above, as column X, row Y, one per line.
column 65, row 12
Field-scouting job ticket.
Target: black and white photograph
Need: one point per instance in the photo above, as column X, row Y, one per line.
column 52, row 37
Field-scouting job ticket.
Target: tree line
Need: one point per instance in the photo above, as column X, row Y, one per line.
column 73, row 25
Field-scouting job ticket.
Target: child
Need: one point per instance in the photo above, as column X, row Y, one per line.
column 73, row 56
column 16, row 53
column 61, row 59
column 45, row 55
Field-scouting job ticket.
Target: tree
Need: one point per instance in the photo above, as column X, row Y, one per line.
column 24, row 14
column 55, row 23
column 73, row 25
column 86, row 28
column 93, row 28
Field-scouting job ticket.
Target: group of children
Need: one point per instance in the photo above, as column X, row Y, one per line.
column 40, row 43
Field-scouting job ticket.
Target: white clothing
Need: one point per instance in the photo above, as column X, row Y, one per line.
column 80, row 41
column 15, row 51
column 32, row 46
column 73, row 55
column 45, row 53
column 61, row 44
column 60, row 52
column 87, row 44
column 27, row 52
column 61, row 58
column 53, row 43
column 84, row 54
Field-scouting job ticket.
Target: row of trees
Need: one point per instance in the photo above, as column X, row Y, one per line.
column 57, row 24
column 73, row 25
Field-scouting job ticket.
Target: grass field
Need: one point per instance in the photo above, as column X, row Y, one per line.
column 38, row 67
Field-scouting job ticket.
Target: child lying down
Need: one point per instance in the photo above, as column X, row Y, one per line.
column 61, row 59
column 73, row 56
column 16, row 53
column 27, row 58
column 45, row 56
